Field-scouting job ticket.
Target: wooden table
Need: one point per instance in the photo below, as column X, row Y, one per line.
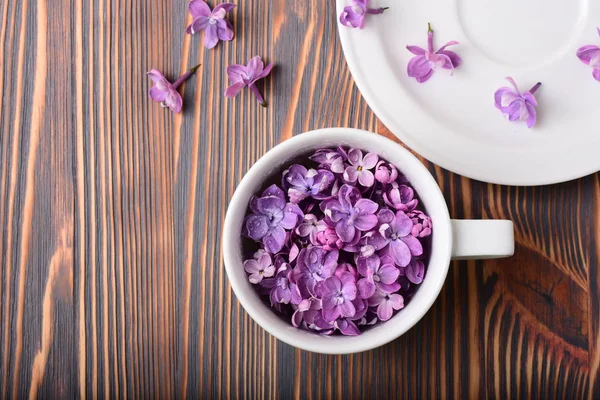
column 111, row 208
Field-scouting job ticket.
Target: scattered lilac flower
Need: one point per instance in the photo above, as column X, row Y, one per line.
column 402, row 244
column 421, row 224
column 314, row 265
column 425, row 62
column 518, row 107
column 359, row 167
column 337, row 295
column 385, row 172
column 247, row 75
column 305, row 183
column 165, row 92
column 415, row 271
column 401, row 198
column 590, row 55
column 272, row 216
column 350, row 213
column 386, row 304
column 333, row 251
column 354, row 16
column 213, row 23
column 259, row 269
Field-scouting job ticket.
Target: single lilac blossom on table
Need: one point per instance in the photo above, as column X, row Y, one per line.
column 243, row 76
column 354, row 15
column 337, row 295
column 426, row 62
column 303, row 182
column 359, row 168
column 518, row 106
column 271, row 217
column 590, row 55
column 350, row 213
column 213, row 23
column 402, row 244
column 386, row 304
column 259, row 269
column 165, row 92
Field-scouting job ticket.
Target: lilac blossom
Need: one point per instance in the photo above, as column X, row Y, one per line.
column 337, row 295
column 259, row 269
column 518, row 107
column 310, row 227
column 213, row 23
column 165, row 92
column 590, row 55
column 426, row 62
column 378, row 275
column 314, row 265
column 305, row 183
column 354, row 15
column 350, row 213
column 306, row 311
column 385, row 172
column 422, row 226
column 386, row 304
column 331, row 159
column 285, row 289
column 243, row 76
column 271, row 218
column 402, row 244
column 401, row 198
column 328, row 239
column 359, row 168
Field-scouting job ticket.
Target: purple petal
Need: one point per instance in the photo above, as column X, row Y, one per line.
column 158, row 95
column 396, row 301
column 366, row 178
column 443, row 48
column 416, row 249
column 257, row 226
column 425, row 78
column 388, row 273
column 531, row 120
column 351, row 174
column 291, row 215
column 270, row 204
column 596, row 74
column 370, row 161
column 454, row 58
column 415, row 271
column 156, row 76
column 174, row 101
column 514, row 85
column 355, row 156
column 348, row 328
column 255, row 67
column 416, row 50
column 274, row 190
column 366, row 206
column 198, row 8
column 384, row 311
column 256, row 93
column 226, row 6
column 265, row 72
column 297, row 318
column 234, row 89
column 347, row 309
column 400, row 252
column 275, row 240
column 595, row 61
column 504, row 97
column 236, row 73
column 199, row 23
column 331, row 314
column 224, row 30
column 265, row 261
column 365, row 222
column 586, row 53
column 251, row 266
column 365, row 288
column 345, row 231
column 388, row 287
column 210, row 36
column 418, row 67
column 352, row 19
column 402, row 224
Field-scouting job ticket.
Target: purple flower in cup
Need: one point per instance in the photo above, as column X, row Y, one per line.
column 347, row 327
column 306, row 311
column 385, row 172
column 350, row 213
column 359, row 167
column 165, row 92
column 415, row 271
column 590, row 55
column 401, row 198
column 337, row 295
column 285, row 290
column 259, row 269
column 386, row 304
column 213, row 23
column 402, row 244
column 331, row 159
column 247, row 75
column 272, row 216
column 425, row 62
column 310, row 227
column 518, row 107
column 378, row 275
column 314, row 265
column 422, row 225
column 305, row 183
column 354, row 16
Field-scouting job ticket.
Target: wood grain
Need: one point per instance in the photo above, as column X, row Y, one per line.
column 112, row 279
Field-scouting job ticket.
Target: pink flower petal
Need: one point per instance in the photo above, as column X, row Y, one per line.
column 210, row 36
column 532, row 115
column 197, row 25
column 366, row 178
column 418, row 67
column 157, row 95
column 226, row 6
column 586, row 53
column 416, row 50
column 396, row 301
column 596, row 74
column 234, row 89
column 384, row 310
column 400, row 252
column 370, row 161
column 199, row 8
column 174, row 101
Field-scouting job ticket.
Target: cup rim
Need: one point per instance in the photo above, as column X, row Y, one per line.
column 283, row 330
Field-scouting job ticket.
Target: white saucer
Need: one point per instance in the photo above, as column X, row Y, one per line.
column 452, row 120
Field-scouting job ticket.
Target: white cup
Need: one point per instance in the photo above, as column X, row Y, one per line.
column 451, row 239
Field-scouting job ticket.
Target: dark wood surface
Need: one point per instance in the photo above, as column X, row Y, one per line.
column 111, row 208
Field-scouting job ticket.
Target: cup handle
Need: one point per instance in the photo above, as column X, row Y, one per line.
column 481, row 239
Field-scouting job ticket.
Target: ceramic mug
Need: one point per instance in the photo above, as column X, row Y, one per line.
column 451, row 239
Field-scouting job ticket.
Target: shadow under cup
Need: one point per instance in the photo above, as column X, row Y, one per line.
column 429, row 195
